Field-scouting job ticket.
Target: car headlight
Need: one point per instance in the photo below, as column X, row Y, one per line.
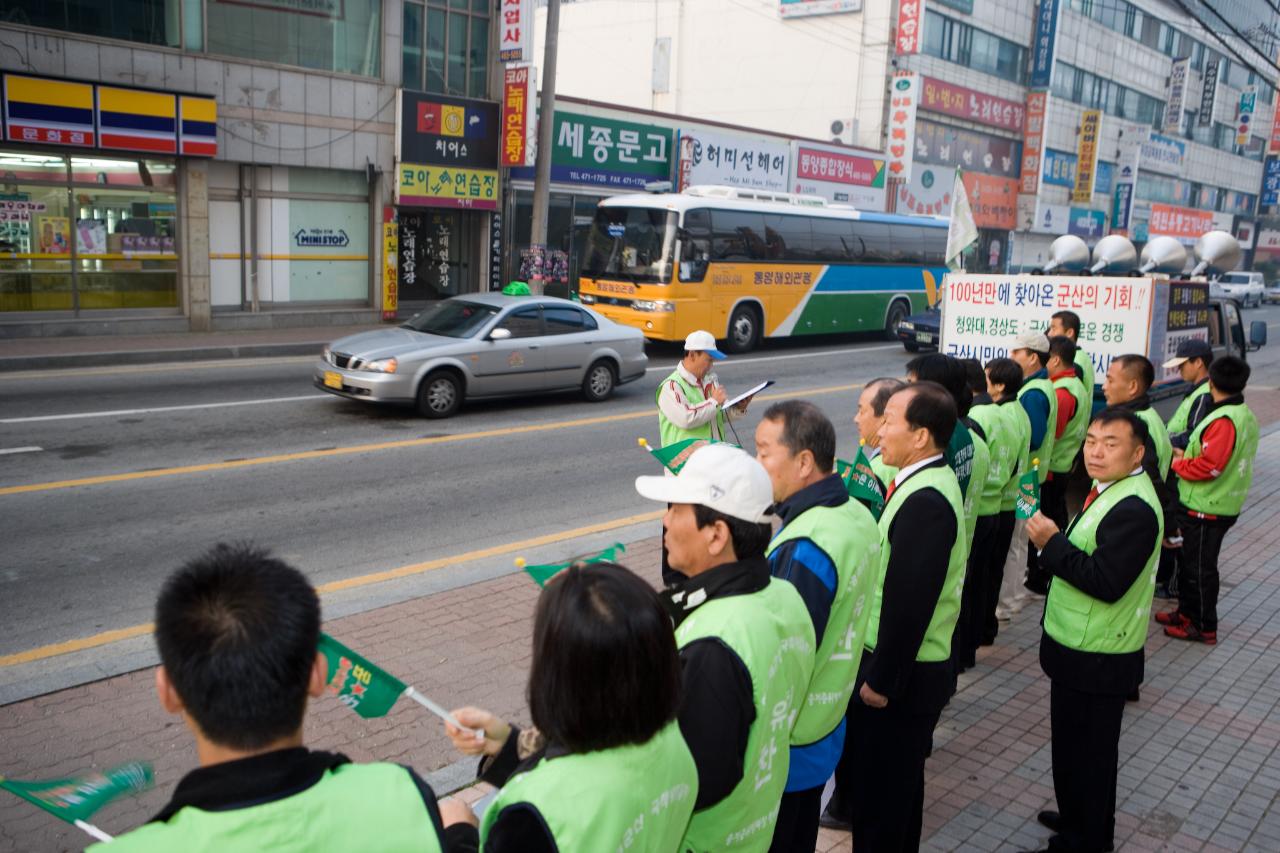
column 653, row 305
column 382, row 365
column 910, row 327
column 324, row 353
column 586, row 299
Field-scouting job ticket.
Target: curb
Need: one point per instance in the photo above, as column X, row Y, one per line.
column 157, row 356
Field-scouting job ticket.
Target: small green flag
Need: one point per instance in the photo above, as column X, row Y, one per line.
column 1028, row 493
column 80, row 796
column 675, row 455
column 360, row 685
column 542, row 574
column 862, row 483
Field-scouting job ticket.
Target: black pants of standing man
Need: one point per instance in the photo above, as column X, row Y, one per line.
column 797, row 828
column 1001, row 540
column 1198, row 579
column 971, row 627
column 1086, row 754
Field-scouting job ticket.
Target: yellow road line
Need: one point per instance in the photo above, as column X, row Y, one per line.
column 108, row 637
column 370, row 448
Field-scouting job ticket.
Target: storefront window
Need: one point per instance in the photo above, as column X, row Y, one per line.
column 450, row 55
column 330, row 35
column 86, row 234
column 146, row 21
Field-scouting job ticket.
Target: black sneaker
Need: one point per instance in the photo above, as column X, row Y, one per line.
column 832, row 821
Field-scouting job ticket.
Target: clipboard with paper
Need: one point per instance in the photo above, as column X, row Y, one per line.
column 747, row 395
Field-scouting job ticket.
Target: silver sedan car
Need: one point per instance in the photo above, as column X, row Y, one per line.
column 484, row 345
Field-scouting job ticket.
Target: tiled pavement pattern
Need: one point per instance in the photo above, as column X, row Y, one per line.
column 1200, row 766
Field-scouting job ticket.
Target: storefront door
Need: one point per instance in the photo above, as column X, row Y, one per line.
column 437, row 257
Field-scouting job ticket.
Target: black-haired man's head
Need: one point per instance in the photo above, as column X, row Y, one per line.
column 1229, row 375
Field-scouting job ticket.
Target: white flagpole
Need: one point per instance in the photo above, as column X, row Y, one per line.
column 93, row 831
column 440, row 712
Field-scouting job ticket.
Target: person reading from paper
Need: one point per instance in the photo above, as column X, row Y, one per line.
column 238, row 633
column 605, row 755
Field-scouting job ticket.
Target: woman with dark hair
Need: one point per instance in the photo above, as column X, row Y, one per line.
column 604, row 766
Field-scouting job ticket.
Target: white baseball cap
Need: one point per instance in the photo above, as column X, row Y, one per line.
column 701, row 341
column 1034, row 341
column 720, row 477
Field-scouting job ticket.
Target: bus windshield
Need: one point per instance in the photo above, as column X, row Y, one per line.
column 634, row 244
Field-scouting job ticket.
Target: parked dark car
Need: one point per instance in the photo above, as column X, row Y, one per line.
column 921, row 331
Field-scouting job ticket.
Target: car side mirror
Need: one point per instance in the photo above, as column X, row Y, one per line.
column 499, row 334
column 1257, row 334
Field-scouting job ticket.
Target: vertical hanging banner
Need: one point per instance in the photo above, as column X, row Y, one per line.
column 517, row 114
column 1087, row 156
column 515, row 31
column 904, row 94
column 1274, row 146
column 390, row 252
column 1048, row 13
column 1177, row 96
column 1244, row 114
column 910, row 26
column 1033, row 141
column 1209, row 95
column 1271, row 181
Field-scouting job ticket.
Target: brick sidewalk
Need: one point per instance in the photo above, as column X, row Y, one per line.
column 1200, row 768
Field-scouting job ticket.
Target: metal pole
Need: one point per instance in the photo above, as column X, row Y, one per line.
column 546, row 130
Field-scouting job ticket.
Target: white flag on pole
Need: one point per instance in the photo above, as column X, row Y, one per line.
column 962, row 232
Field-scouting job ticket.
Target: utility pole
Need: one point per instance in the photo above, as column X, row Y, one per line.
column 546, row 131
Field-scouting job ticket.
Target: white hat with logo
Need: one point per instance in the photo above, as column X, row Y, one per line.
column 701, row 341
column 720, row 477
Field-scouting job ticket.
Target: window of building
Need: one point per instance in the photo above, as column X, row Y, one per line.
column 446, row 47
column 1090, row 90
column 971, row 47
column 345, row 36
column 146, row 21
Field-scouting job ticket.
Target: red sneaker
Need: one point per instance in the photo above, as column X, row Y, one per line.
column 1190, row 632
column 1172, row 617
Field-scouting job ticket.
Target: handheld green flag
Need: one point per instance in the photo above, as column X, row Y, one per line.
column 542, row 574
column 1029, row 492
column 675, row 455
column 74, row 800
column 861, row 481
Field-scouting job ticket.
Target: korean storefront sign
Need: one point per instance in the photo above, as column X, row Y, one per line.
column 515, row 31
column 994, row 200
column 447, row 151
column 1274, row 146
column 984, row 314
column 1163, row 154
column 1089, row 224
column 1208, row 95
column 1244, row 114
column 1271, row 181
column 943, row 145
column 606, row 152
column 390, row 250
column 1048, row 13
column 1177, row 95
column 910, row 26
column 1033, row 141
column 83, row 115
column 1087, row 155
column 904, row 95
column 1051, row 219
column 839, row 175
column 723, row 159
column 517, row 116
column 970, row 104
column 806, row 8
column 1269, row 241
column 1184, row 223
column 1132, row 138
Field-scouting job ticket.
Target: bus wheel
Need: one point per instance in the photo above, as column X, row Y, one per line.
column 897, row 313
column 744, row 329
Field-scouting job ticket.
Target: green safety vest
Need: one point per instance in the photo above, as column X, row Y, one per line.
column 1178, row 423
column 1001, row 454
column 637, row 797
column 352, row 807
column 1045, row 451
column 1019, row 423
column 1224, row 494
column 936, row 645
column 1067, row 445
column 848, row 535
column 884, row 471
column 1082, row 622
column 977, row 483
column 1087, row 376
column 1160, row 437
column 669, row 432
column 771, row 633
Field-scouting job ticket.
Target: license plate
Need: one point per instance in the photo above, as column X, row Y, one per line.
column 924, row 337
column 332, row 380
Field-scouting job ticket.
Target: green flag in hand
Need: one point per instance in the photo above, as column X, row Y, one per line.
column 861, row 482
column 1028, row 494
column 358, row 684
column 80, row 796
column 675, row 455
column 542, row 574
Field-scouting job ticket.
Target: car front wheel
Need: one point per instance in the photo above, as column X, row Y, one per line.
column 439, row 395
column 599, row 382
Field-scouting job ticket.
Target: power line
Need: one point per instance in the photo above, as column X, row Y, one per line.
column 1238, row 35
column 1250, row 66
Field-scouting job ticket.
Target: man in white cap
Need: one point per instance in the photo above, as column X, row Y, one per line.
column 690, row 400
column 746, row 644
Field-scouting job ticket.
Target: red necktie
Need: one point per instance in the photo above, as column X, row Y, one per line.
column 893, row 484
column 1093, row 493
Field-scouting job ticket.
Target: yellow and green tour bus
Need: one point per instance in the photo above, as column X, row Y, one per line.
column 745, row 264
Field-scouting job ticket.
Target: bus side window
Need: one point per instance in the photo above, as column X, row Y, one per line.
column 935, row 246
column 788, row 238
column 738, row 236
column 697, row 245
column 879, row 245
column 833, row 240
column 908, row 243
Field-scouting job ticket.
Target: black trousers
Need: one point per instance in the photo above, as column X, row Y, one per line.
column 797, row 827
column 1053, row 503
column 1198, row 580
column 972, row 624
column 1086, row 753
column 993, row 574
column 890, row 746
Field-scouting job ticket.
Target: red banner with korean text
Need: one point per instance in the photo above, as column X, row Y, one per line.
column 1033, row 141
column 515, row 116
column 1184, row 222
column 970, row 104
column 910, row 26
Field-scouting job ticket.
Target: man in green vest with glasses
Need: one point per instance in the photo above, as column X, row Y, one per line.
column 1095, row 625
column 746, row 644
column 1214, row 474
column 907, row 674
column 829, row 549
column 238, row 633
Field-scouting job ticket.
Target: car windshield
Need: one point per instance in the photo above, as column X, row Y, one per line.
column 452, row 318
column 631, row 243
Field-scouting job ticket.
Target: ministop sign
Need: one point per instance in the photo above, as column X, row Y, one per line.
column 321, row 237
